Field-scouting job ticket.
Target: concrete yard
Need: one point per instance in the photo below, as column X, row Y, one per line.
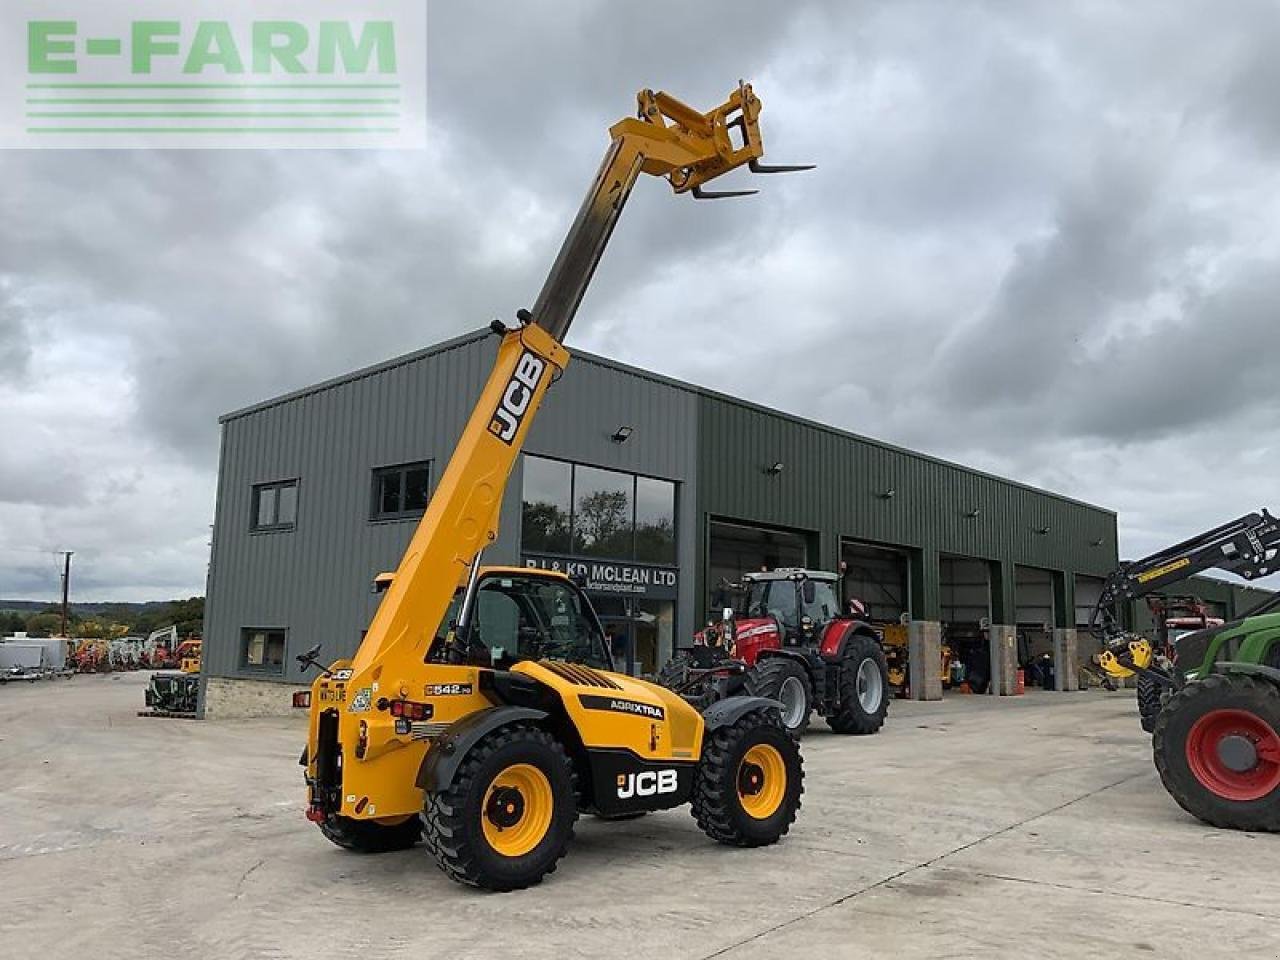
column 972, row 827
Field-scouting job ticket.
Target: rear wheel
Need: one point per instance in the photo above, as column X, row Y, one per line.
column 1217, row 749
column 784, row 680
column 507, row 818
column 747, row 786
column 372, row 836
column 862, row 687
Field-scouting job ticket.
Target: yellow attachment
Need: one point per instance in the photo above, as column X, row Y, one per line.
column 689, row 148
column 1140, row 653
column 517, row 810
column 762, row 781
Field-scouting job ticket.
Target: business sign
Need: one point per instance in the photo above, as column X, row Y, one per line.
column 613, row 577
column 213, row 73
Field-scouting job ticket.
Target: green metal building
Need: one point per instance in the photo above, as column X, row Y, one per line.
column 658, row 492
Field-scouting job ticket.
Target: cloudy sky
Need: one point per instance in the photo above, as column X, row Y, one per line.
column 1043, row 239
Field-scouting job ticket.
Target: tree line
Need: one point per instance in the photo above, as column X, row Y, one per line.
column 108, row 620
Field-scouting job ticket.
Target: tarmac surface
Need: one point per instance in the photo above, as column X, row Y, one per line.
column 1028, row 827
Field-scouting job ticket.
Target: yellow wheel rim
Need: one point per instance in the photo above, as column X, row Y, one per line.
column 517, row 809
column 762, row 781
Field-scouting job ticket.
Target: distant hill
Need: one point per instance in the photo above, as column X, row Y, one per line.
column 84, row 609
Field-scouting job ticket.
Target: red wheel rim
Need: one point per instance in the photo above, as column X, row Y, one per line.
column 1204, row 754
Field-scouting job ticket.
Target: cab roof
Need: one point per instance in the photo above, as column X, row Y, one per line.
column 790, row 573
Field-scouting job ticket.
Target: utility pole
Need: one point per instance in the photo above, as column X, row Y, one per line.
column 66, row 588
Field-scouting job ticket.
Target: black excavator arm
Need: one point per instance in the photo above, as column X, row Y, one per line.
column 1247, row 547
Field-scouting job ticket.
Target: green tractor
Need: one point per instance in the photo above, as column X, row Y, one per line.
column 1212, row 698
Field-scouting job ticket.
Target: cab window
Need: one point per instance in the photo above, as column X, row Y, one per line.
column 533, row 618
column 819, row 601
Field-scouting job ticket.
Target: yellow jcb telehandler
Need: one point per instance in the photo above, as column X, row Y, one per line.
column 482, row 708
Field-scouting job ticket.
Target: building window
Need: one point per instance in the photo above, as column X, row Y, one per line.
column 603, row 519
column 262, row 649
column 275, row 505
column 655, row 520
column 402, row 491
column 592, row 512
column 547, row 503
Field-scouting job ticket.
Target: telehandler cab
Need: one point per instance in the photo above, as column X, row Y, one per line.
column 481, row 709
column 1216, row 717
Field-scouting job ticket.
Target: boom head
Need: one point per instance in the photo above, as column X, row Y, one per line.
column 695, row 148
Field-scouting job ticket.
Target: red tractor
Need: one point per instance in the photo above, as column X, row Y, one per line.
column 790, row 641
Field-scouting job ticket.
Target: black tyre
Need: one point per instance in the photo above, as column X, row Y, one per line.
column 1217, row 749
column 507, row 818
column 370, row 836
column 1150, row 697
column 862, row 687
column 784, row 680
column 747, row 787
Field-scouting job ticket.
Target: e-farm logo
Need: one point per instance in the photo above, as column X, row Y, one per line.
column 213, row 73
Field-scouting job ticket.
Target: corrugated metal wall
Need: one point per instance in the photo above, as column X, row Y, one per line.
column 314, row 580
column 837, row 485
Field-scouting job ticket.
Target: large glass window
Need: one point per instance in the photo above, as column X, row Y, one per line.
column 603, row 513
column 655, row 520
column 592, row 512
column 547, row 503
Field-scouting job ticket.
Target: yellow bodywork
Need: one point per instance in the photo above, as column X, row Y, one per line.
column 1140, row 652
column 190, row 655
column 382, row 783
column 379, row 767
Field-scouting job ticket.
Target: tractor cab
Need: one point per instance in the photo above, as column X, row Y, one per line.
column 801, row 603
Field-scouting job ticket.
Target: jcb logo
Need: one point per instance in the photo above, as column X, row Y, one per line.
column 646, row 783
column 516, row 397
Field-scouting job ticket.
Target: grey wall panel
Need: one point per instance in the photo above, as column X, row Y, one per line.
column 837, row 484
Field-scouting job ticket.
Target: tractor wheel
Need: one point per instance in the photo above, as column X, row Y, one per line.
column 1149, row 702
column 784, row 680
column 1217, row 749
column 862, row 688
column 372, row 836
column 747, row 787
column 507, row 818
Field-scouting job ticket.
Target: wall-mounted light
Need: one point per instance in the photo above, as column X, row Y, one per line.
column 774, row 469
column 887, row 494
column 1041, row 530
column 621, row 434
column 974, row 513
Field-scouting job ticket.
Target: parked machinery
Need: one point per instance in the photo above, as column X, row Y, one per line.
column 472, row 711
column 1216, row 736
column 174, row 693
column 789, row 641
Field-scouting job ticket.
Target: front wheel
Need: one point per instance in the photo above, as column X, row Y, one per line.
column 1217, row 749
column 747, row 786
column 786, row 681
column 507, row 818
column 862, row 687
column 372, row 836
column 1150, row 695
